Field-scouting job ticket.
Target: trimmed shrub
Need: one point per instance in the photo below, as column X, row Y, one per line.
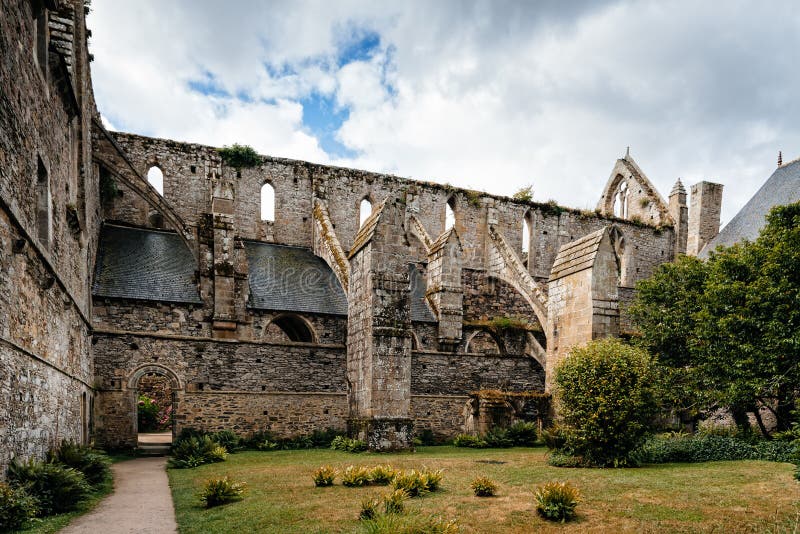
column 16, row 507
column 219, row 491
column 523, row 434
column 556, row 501
column 560, row 459
column 473, row 442
column 606, row 394
column 343, row 443
column 193, row 451
column 410, row 524
column 381, row 475
column 324, row 476
column 94, row 465
column 55, row 487
column 483, row 487
column 355, row 476
column 712, row 447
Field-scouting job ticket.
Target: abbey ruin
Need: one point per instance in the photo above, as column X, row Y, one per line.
column 309, row 319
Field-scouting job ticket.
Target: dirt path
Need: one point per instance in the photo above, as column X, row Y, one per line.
column 141, row 502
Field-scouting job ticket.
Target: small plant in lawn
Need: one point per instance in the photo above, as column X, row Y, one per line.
column 381, row 475
column 55, row 487
column 196, row 450
column 411, row 481
column 343, row 443
column 218, row 491
column 431, row 479
column 410, row 524
column 474, row 442
column 355, row 476
column 16, row 507
column 556, row 501
column 324, row 476
column 369, row 508
column 394, row 502
column 483, row 487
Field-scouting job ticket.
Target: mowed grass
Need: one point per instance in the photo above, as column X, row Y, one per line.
column 744, row 496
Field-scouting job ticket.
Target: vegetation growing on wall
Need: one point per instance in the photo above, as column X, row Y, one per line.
column 239, row 156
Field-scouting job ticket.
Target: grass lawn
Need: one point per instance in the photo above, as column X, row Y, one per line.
column 743, row 496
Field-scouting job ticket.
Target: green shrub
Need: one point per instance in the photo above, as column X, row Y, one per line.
column 413, row 482
column 196, row 450
column 94, row 464
column 268, row 445
column 218, row 491
column 148, row 413
column 55, row 487
column 381, row 475
column 606, row 393
column 556, row 501
column 238, row 156
column 560, row 459
column 355, row 476
column 797, row 473
column 16, row 507
column 324, row 476
column 227, row 439
column 474, row 442
column 523, row 434
column 497, row 438
column 554, row 437
column 343, row 443
column 394, row 502
column 712, row 447
column 483, row 487
column 410, row 524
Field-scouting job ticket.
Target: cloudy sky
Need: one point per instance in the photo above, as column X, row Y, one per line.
column 487, row 95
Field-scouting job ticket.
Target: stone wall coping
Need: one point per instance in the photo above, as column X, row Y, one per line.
column 205, row 339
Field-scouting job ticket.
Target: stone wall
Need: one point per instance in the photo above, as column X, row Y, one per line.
column 48, row 228
column 149, row 316
column 459, row 374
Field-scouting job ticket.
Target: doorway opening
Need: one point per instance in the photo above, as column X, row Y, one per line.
column 155, row 410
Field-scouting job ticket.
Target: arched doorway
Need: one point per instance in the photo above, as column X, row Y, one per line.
column 155, row 390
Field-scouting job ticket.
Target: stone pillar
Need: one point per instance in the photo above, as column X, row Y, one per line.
column 379, row 333
column 703, row 216
column 583, row 299
column 680, row 214
column 229, row 265
column 445, row 291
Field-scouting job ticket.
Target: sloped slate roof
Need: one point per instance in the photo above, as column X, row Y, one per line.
column 420, row 311
column 783, row 187
column 292, row 279
column 577, row 255
column 144, row 264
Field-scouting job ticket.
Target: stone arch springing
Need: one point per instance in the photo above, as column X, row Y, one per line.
column 450, row 213
column 155, row 177
column 482, row 341
column 364, row 210
column 267, row 202
column 414, row 341
column 294, row 327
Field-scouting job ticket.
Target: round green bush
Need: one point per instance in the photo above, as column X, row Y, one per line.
column 16, row 506
column 606, row 396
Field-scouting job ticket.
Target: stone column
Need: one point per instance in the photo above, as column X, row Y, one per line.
column 379, row 333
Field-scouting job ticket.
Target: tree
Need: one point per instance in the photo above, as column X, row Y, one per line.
column 606, row 393
column 740, row 340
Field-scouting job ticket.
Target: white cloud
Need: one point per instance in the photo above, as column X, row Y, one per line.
column 491, row 95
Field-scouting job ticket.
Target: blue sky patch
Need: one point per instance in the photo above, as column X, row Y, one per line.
column 324, row 118
column 208, row 85
column 360, row 46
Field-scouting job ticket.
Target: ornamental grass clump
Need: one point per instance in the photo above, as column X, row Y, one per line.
column 324, row 476
column 483, row 487
column 413, row 482
column 381, row 475
column 219, row 491
column 556, row 501
column 412, row 523
column 355, row 476
column 431, row 479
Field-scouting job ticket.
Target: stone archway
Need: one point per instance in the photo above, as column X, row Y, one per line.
column 154, row 393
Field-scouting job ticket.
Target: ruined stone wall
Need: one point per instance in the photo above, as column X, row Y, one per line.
column 48, row 226
column 148, row 316
column 459, row 374
column 486, row 297
column 442, row 414
column 329, row 329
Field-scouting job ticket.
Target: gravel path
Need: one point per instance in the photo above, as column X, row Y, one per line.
column 141, row 502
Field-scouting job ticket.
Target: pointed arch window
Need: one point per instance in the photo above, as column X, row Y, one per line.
column 155, row 177
column 526, row 235
column 449, row 214
column 364, row 211
column 267, row 203
column 44, row 205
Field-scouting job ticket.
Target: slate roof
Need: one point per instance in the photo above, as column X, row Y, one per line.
column 292, row 279
column 420, row 311
column 577, row 255
column 144, row 264
column 783, row 187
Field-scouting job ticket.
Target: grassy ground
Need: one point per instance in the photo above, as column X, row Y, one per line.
column 746, row 496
